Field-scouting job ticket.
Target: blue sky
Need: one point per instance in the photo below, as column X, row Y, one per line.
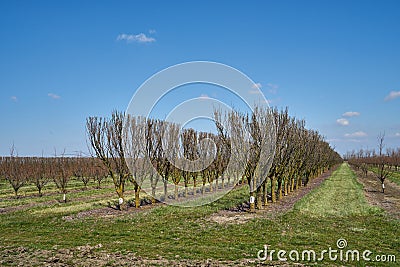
column 335, row 64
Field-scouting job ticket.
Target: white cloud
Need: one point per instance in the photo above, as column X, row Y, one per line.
column 273, row 88
column 392, row 95
column 339, row 140
column 397, row 134
column 138, row 38
column 204, row 97
column 343, row 122
column 257, row 89
column 333, row 140
column 255, row 92
column 351, row 114
column 14, row 98
column 356, row 134
column 53, row 96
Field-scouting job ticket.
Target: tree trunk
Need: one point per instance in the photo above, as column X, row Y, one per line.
column 273, row 192
column 292, row 185
column 165, row 190
column 121, row 201
column 280, row 189
column 295, row 185
column 259, row 201
column 176, row 195
column 285, row 186
column 265, row 193
column 137, row 196
column 153, row 195
column 252, row 204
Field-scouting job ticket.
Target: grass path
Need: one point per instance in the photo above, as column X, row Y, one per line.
column 340, row 195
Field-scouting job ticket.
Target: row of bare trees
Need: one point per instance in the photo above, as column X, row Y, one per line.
column 299, row 154
column 382, row 161
column 39, row 171
column 266, row 145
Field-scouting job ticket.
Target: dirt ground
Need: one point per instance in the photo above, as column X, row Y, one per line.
column 389, row 201
column 89, row 256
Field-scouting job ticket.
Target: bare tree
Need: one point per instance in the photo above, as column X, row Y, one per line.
column 97, row 171
column 81, row 168
column 62, row 174
column 14, row 170
column 106, row 139
column 41, row 173
column 2, row 168
column 135, row 152
column 153, row 148
column 171, row 151
column 247, row 135
column 189, row 149
column 164, row 166
column 205, row 152
column 381, row 164
column 282, row 154
column 383, row 168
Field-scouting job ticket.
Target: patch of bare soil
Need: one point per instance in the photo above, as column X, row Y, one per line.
column 389, row 201
column 94, row 256
column 110, row 211
column 240, row 214
column 231, row 217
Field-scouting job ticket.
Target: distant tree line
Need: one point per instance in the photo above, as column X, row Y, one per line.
column 39, row 171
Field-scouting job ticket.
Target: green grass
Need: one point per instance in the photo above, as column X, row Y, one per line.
column 395, row 177
column 30, row 189
column 340, row 195
column 335, row 210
